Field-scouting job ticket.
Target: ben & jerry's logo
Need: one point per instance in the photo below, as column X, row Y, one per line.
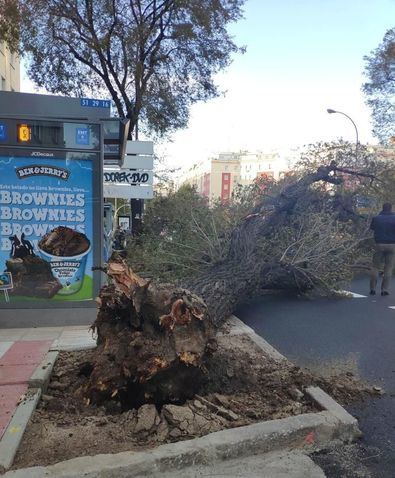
column 38, row 170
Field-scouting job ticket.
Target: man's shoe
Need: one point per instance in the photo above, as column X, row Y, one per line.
column 372, row 292
column 384, row 292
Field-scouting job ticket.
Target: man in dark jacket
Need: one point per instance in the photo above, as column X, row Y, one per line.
column 383, row 227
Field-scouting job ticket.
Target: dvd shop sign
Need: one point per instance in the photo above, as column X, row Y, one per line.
column 128, row 176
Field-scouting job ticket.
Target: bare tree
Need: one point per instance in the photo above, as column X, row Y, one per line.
column 154, row 57
column 380, row 87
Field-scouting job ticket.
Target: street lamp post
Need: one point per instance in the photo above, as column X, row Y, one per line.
column 330, row 111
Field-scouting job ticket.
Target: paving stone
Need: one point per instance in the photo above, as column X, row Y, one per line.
column 13, row 374
column 42, row 333
column 4, row 346
column 75, row 339
column 9, row 398
column 26, row 352
column 11, row 334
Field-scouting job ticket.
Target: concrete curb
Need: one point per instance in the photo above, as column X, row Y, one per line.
column 13, row 435
column 42, row 374
column 38, row 383
column 239, row 327
column 348, row 425
column 310, row 431
column 302, row 431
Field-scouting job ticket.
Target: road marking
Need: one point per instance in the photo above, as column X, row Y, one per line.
column 391, row 306
column 353, row 294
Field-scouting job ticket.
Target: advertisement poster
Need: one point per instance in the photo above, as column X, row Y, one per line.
column 46, row 228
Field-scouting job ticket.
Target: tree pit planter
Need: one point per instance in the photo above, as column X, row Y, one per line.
column 243, row 385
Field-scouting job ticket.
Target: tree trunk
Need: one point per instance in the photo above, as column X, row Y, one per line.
column 153, row 338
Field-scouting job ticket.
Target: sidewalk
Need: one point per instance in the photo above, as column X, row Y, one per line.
column 22, row 351
column 280, row 464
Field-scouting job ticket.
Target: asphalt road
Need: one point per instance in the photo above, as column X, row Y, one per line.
column 355, row 334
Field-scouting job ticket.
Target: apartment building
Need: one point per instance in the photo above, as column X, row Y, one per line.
column 217, row 177
column 9, row 69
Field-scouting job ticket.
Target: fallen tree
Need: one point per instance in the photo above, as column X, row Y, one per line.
column 153, row 338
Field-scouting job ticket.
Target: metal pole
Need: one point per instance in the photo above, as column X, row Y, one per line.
column 330, row 111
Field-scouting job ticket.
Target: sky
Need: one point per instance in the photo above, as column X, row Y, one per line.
column 303, row 56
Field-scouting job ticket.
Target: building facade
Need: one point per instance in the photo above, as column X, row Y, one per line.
column 9, row 69
column 217, row 177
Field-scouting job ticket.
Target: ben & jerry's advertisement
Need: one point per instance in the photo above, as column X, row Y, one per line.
column 46, row 228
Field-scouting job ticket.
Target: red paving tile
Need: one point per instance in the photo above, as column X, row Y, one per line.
column 16, row 367
column 9, row 398
column 12, row 374
column 26, row 352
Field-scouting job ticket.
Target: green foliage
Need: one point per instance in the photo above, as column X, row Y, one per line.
column 380, row 87
column 322, row 236
column 154, row 58
column 9, row 23
column 182, row 235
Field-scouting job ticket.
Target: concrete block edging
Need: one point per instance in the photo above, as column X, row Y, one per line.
column 13, row 435
column 307, row 431
column 41, row 376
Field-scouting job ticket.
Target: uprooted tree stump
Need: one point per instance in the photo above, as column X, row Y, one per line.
column 153, row 338
column 151, row 341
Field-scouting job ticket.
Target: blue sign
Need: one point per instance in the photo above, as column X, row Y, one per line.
column 3, row 132
column 82, row 136
column 91, row 103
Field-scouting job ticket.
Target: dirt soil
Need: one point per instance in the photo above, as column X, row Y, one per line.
column 242, row 386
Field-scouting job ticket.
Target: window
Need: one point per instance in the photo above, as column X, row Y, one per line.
column 2, row 83
column 225, row 187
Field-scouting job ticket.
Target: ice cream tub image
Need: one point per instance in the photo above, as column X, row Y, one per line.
column 67, row 251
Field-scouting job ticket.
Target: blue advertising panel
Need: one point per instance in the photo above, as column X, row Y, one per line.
column 46, row 226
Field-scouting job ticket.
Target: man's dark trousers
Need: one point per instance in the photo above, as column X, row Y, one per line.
column 385, row 254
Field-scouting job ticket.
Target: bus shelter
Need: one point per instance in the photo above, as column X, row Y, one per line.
column 51, row 209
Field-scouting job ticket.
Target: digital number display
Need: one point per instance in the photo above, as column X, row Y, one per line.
column 50, row 134
column 91, row 103
column 24, row 133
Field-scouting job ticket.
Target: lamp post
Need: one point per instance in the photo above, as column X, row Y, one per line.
column 330, row 111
